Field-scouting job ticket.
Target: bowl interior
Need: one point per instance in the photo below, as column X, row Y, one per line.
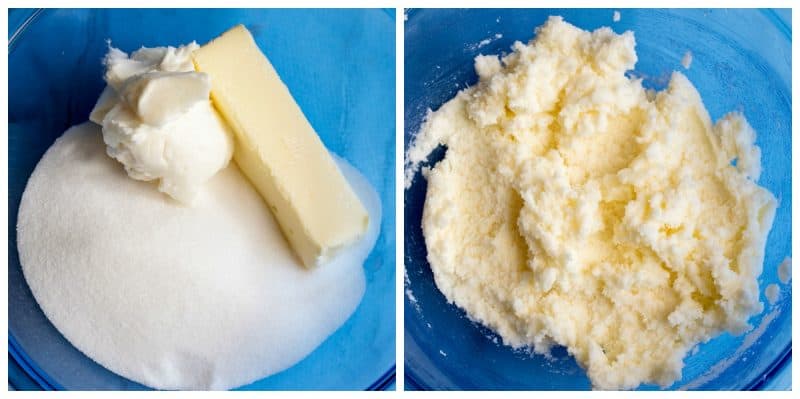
column 741, row 61
column 339, row 66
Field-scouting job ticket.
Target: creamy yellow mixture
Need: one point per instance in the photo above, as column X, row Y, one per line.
column 574, row 207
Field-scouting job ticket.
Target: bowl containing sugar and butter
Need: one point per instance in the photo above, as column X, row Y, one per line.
column 56, row 76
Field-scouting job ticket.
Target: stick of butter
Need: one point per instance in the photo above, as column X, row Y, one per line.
column 279, row 151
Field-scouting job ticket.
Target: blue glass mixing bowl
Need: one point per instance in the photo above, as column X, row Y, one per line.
column 338, row 64
column 742, row 61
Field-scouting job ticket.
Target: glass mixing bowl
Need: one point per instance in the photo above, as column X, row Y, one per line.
column 741, row 61
column 338, row 64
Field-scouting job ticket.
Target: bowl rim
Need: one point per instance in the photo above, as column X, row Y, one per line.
column 43, row 381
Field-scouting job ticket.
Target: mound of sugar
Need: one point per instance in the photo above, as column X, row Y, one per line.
column 175, row 297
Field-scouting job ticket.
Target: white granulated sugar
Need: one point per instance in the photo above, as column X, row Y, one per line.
column 175, row 297
column 410, row 294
